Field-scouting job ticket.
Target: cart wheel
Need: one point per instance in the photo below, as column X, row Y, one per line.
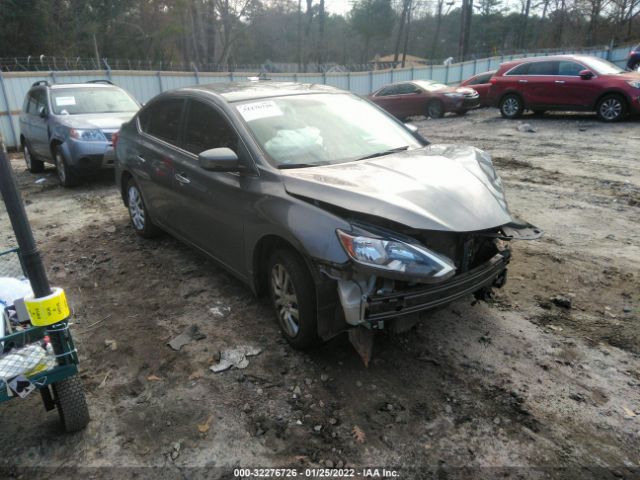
column 71, row 403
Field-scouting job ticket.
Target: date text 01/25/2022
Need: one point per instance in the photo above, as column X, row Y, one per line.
column 248, row 473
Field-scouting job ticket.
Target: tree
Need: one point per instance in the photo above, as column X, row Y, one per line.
column 372, row 19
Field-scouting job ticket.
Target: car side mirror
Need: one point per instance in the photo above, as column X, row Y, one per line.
column 42, row 111
column 586, row 74
column 219, row 160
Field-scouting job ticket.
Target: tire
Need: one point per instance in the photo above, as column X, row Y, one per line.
column 33, row 165
column 511, row 106
column 66, row 176
column 288, row 275
column 461, row 112
column 538, row 113
column 71, row 403
column 435, row 109
column 138, row 213
column 612, row 108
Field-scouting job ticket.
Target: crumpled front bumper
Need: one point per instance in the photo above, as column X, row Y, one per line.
column 430, row 297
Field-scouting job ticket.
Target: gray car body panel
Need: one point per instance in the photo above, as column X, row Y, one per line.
column 440, row 187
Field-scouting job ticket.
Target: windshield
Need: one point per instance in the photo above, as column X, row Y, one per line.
column 321, row 129
column 601, row 66
column 77, row 101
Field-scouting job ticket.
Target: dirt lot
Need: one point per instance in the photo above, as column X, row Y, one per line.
column 519, row 388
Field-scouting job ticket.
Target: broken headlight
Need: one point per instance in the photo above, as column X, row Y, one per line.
column 395, row 256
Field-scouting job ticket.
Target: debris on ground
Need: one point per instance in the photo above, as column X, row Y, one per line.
column 235, row 357
column 111, row 344
column 526, row 127
column 358, row 434
column 190, row 334
column 561, row 301
column 204, row 427
column 220, row 311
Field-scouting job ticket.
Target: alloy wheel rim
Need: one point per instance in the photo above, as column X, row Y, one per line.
column 611, row 109
column 510, row 106
column 136, row 209
column 60, row 167
column 27, row 157
column 286, row 300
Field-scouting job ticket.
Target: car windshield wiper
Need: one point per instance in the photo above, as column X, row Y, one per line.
column 300, row 165
column 386, row 152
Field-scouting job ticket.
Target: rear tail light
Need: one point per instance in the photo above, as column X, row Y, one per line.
column 493, row 80
column 114, row 138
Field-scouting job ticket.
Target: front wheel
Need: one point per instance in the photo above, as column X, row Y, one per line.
column 294, row 300
column 33, row 165
column 71, row 403
column 511, row 106
column 66, row 176
column 435, row 109
column 611, row 108
column 140, row 219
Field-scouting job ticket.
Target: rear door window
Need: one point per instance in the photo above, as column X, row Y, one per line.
column 521, row 69
column 390, row 90
column 206, row 128
column 543, row 68
column 481, row 79
column 162, row 119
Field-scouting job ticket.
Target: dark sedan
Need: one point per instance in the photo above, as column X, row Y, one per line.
column 424, row 97
column 344, row 215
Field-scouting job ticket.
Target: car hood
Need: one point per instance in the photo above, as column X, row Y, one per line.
column 439, row 187
column 106, row 121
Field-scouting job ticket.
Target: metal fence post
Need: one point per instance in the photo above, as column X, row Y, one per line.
column 475, row 66
column 16, row 141
column 370, row 81
column 446, row 74
column 197, row 74
column 349, row 81
column 231, row 76
column 413, row 71
column 104, row 60
column 392, row 72
column 160, row 81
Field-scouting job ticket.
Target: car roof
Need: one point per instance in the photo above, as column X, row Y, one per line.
column 549, row 58
column 57, row 86
column 253, row 90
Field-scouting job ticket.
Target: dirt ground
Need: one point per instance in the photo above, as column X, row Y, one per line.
column 517, row 388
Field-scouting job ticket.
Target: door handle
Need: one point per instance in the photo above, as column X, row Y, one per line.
column 140, row 158
column 523, row 81
column 182, row 179
column 559, row 81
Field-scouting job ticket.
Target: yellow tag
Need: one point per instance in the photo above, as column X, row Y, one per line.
column 48, row 310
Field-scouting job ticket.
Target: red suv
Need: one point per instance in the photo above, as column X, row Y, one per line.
column 567, row 83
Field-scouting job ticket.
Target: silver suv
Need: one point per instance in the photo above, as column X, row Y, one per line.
column 71, row 125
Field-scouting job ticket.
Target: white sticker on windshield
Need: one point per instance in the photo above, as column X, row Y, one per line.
column 256, row 110
column 64, row 101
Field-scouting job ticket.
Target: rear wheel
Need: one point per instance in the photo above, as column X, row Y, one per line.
column 435, row 109
column 293, row 296
column 611, row 108
column 33, row 165
column 140, row 219
column 71, row 403
column 66, row 176
column 511, row 106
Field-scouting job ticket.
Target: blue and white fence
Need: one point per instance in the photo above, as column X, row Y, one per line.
column 144, row 85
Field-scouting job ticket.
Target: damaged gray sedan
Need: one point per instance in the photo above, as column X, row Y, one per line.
column 348, row 219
